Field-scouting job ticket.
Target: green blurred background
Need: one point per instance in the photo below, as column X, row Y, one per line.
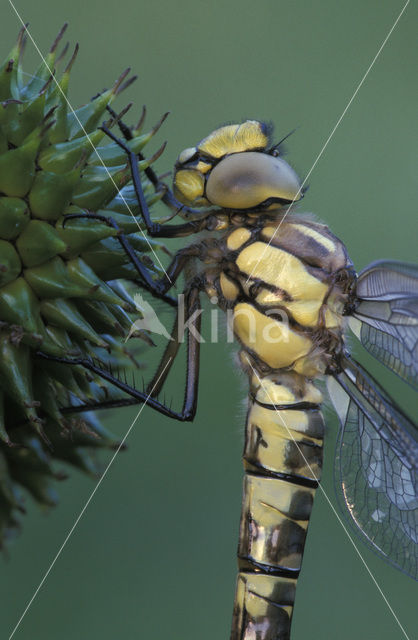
column 153, row 556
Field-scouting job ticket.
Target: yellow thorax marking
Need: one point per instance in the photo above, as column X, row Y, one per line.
column 228, row 287
column 281, row 269
column 318, row 237
column 237, row 238
column 274, row 342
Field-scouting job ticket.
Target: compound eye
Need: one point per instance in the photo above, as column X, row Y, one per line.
column 245, row 180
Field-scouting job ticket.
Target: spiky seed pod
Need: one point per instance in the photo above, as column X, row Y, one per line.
column 59, row 292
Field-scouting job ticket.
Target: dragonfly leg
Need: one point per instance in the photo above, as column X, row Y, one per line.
column 193, row 315
column 192, row 308
column 155, row 229
column 168, row 198
column 146, row 281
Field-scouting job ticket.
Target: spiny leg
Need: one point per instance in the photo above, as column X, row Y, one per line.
column 136, row 397
column 192, row 307
column 167, row 360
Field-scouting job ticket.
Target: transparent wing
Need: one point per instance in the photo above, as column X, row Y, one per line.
column 376, row 467
column 386, row 316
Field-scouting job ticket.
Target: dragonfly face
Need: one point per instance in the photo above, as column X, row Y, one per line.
column 290, row 289
column 233, row 169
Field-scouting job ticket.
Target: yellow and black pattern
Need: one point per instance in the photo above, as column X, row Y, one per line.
column 288, row 286
column 282, row 460
column 285, row 285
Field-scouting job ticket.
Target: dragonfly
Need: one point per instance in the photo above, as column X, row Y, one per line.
column 291, row 293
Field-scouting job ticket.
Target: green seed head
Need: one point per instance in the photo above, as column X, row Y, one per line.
column 60, row 287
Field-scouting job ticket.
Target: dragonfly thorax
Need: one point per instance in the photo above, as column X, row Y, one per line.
column 285, row 285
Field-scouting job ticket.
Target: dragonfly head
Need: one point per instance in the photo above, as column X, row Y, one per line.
column 236, row 168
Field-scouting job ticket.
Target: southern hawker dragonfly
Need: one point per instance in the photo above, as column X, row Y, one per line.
column 291, row 292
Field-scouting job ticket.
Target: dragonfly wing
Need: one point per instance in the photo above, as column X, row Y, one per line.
column 386, row 316
column 376, row 467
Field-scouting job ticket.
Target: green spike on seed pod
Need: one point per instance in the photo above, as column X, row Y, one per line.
column 81, row 274
column 100, row 316
column 27, row 117
column 63, row 374
column 52, row 280
column 60, row 132
column 64, row 156
column 79, row 234
column 91, row 392
column 60, row 337
column 126, row 222
column 38, row 243
column 125, row 201
column 51, row 193
column 123, row 318
column 38, row 485
column 78, row 457
column 14, row 216
column 32, row 452
column 19, row 306
column 44, row 392
column 86, row 118
column 104, row 255
column 17, row 167
column 65, row 314
column 112, row 155
column 16, row 375
column 8, row 71
column 43, row 72
column 99, row 185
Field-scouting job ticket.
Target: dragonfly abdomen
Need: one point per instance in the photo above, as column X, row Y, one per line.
column 282, row 460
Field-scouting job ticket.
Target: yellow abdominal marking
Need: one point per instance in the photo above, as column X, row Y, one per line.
column 276, row 426
column 272, row 498
column 272, row 392
column 259, row 591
